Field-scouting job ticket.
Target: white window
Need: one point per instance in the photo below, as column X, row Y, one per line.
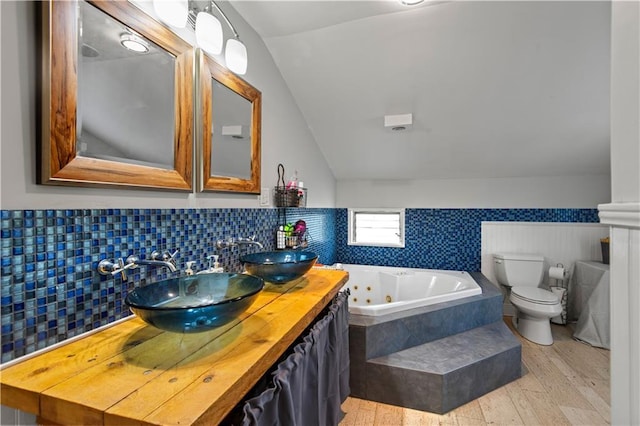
column 376, row 227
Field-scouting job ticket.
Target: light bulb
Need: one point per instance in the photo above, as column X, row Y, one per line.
column 235, row 56
column 134, row 43
column 209, row 33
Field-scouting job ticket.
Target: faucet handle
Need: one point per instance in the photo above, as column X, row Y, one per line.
column 108, row 267
column 123, row 267
column 132, row 261
column 165, row 256
column 229, row 242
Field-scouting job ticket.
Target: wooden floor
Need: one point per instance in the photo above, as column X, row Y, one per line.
column 567, row 383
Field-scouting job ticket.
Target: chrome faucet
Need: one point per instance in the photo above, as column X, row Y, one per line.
column 232, row 242
column 166, row 259
column 136, row 261
column 250, row 240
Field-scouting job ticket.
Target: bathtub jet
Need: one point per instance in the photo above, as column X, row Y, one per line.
column 381, row 290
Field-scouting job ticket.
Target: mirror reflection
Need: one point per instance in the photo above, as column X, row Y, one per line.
column 116, row 97
column 231, row 112
column 126, row 94
column 231, row 133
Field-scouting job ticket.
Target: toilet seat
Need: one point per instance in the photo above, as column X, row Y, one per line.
column 535, row 295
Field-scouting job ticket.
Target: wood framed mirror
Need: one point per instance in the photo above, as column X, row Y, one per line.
column 230, row 126
column 112, row 116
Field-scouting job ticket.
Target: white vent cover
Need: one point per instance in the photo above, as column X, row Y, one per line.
column 236, row 131
column 398, row 122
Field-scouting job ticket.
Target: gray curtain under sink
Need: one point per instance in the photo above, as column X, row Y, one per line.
column 310, row 385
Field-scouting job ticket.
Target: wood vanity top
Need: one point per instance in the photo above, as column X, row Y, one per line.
column 132, row 373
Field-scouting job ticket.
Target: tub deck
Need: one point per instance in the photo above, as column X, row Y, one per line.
column 434, row 358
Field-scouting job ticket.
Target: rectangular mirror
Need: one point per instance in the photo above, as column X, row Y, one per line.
column 230, row 129
column 117, row 98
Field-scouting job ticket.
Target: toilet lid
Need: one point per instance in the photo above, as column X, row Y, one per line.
column 535, row 295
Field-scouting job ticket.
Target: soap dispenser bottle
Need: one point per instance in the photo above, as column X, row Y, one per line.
column 189, row 269
column 215, row 265
column 280, row 238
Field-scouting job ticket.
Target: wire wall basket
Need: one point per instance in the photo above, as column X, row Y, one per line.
column 290, row 197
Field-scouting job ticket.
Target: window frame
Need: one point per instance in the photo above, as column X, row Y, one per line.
column 353, row 212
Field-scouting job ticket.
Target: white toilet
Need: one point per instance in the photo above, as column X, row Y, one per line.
column 535, row 306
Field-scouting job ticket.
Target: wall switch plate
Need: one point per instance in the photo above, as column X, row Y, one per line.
column 265, row 199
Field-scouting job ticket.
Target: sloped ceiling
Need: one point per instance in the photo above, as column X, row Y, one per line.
column 496, row 89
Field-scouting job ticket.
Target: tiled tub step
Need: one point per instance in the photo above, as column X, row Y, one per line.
column 441, row 375
column 372, row 337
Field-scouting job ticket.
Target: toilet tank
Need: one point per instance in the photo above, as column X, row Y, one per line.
column 518, row 269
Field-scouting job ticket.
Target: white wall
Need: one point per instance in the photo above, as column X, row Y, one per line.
column 625, row 103
column 623, row 213
column 522, row 192
column 285, row 135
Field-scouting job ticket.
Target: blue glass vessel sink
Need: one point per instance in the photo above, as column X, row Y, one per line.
column 195, row 303
column 279, row 266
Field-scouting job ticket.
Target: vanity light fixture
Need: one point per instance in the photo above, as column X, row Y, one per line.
column 209, row 33
column 210, row 38
column 235, row 55
column 208, row 29
column 134, row 43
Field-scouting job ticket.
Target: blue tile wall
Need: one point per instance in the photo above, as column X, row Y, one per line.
column 51, row 290
column 321, row 225
column 445, row 238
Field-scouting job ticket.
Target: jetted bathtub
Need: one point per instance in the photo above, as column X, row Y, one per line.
column 381, row 290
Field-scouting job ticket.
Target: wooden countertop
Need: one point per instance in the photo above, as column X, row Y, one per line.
column 132, row 373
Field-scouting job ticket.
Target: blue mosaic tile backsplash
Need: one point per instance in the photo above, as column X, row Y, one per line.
column 51, row 290
column 445, row 238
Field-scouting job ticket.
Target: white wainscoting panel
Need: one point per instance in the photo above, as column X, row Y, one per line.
column 624, row 219
column 563, row 243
